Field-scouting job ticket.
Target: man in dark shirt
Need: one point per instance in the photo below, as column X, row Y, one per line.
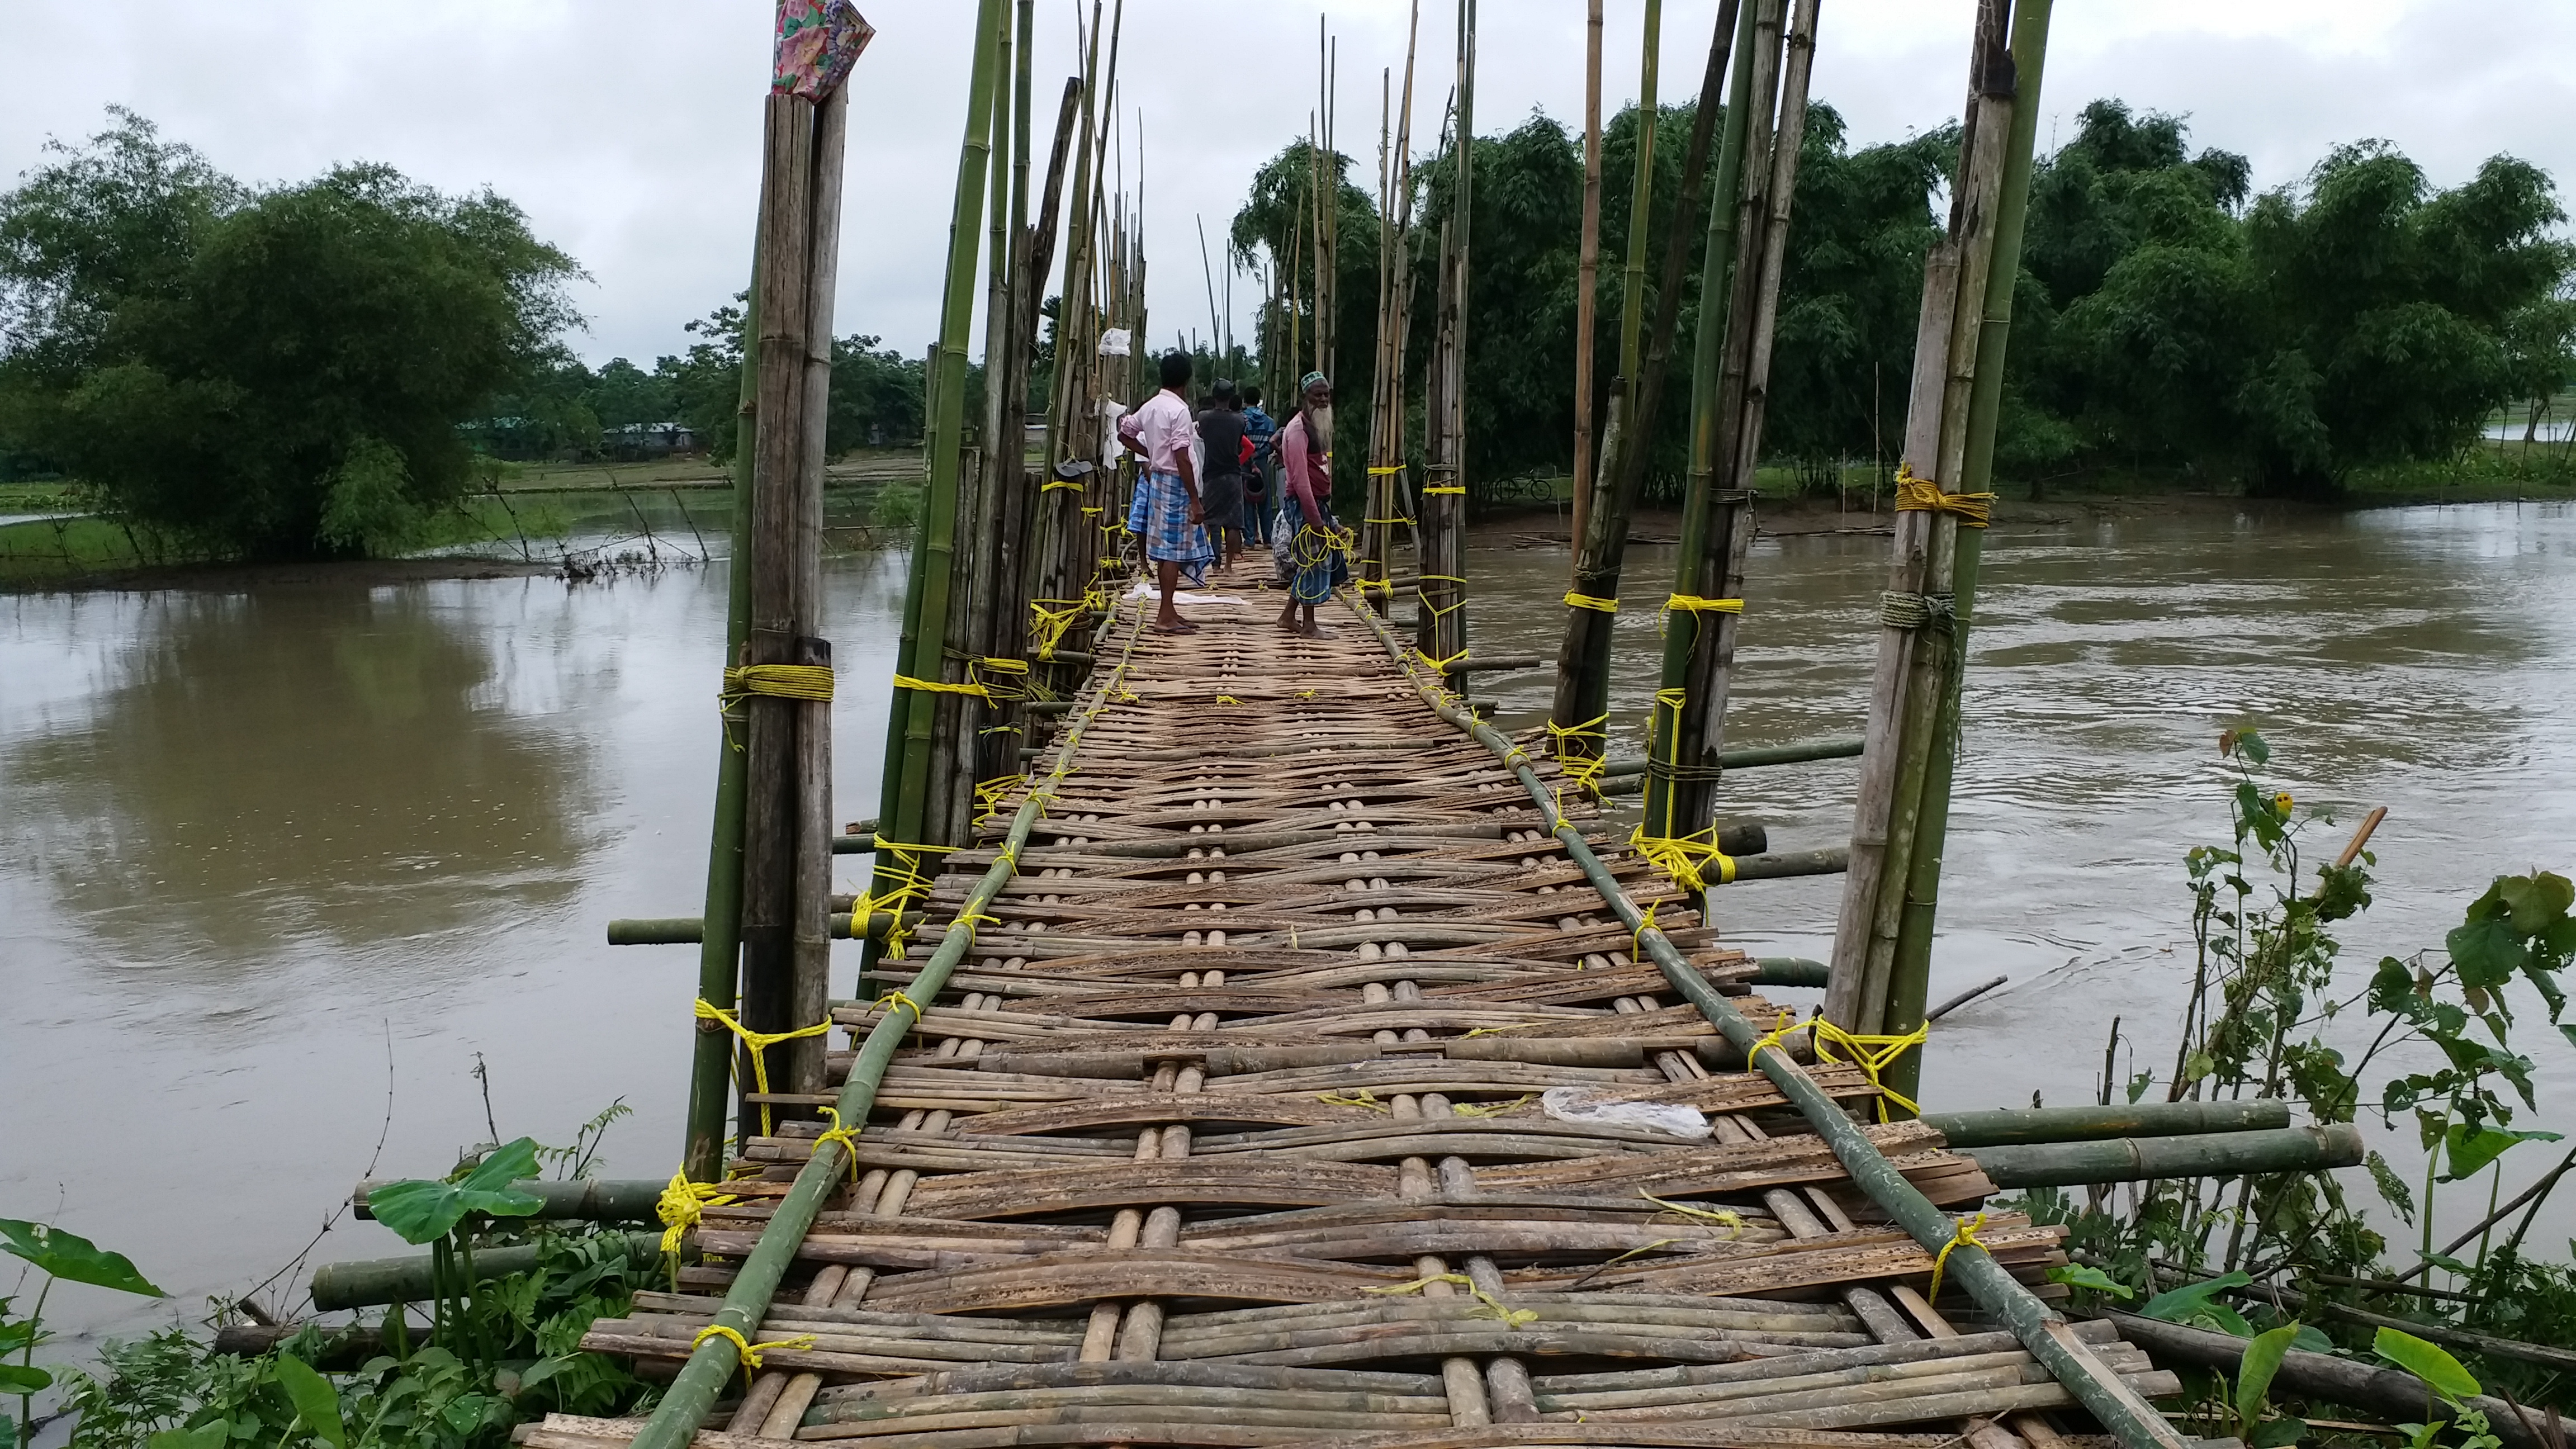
column 1221, row 488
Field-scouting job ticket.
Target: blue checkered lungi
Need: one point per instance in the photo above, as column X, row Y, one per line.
column 1161, row 515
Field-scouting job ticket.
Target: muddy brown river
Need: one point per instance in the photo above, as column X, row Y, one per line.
column 280, row 866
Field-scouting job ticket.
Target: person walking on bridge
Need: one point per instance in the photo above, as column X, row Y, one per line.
column 1260, row 429
column 1221, row 481
column 1305, row 507
column 1166, row 511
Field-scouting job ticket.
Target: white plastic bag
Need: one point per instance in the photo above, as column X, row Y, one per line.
column 1584, row 1107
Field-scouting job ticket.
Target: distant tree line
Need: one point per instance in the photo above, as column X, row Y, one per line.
column 2163, row 316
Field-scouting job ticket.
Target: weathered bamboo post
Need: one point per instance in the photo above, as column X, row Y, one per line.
column 1579, row 725
column 1440, row 588
column 1910, row 970
column 1587, row 272
column 909, row 721
column 1580, row 719
column 1386, row 493
column 1920, row 642
column 1706, row 600
column 786, row 889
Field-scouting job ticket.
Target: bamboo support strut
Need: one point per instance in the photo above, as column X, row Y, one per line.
column 2048, row 1336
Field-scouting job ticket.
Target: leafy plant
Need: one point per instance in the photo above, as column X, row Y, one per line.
column 433, row 1212
column 61, row 1257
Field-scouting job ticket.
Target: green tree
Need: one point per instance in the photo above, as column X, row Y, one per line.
column 281, row 372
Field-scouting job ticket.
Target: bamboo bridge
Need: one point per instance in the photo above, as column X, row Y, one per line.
column 1251, row 1046
column 1300, row 1062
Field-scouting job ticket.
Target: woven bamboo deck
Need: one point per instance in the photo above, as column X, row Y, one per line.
column 1233, row 1128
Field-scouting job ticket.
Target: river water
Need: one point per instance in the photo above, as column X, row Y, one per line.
column 280, row 866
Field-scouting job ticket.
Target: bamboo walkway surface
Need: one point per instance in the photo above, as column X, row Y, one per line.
column 1256, row 1115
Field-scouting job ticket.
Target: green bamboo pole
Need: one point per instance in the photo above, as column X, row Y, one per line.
column 720, row 954
column 1583, row 676
column 1641, row 195
column 1708, row 348
column 1910, row 974
column 714, row 1362
column 2040, row 1328
column 907, row 785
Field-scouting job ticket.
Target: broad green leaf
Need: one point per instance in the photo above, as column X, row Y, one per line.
column 2468, row 1150
column 73, row 1258
column 2181, row 1304
column 205, row 1436
column 423, row 1212
column 2309, row 1340
column 2536, row 901
column 2426, row 1361
column 2075, row 1275
column 2487, row 951
column 316, row 1402
column 20, row 1379
column 2254, row 1375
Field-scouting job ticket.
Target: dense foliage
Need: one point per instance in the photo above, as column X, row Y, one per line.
column 279, row 371
column 2163, row 316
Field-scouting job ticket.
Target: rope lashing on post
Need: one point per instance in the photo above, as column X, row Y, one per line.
column 999, row 665
column 1073, row 485
column 1918, row 495
column 1964, row 1234
column 1380, row 470
column 900, row 862
column 1871, row 1052
column 1459, row 489
column 681, row 1205
column 749, row 1353
column 1899, row 610
column 782, row 681
column 1576, row 599
column 1694, row 604
column 989, row 796
column 759, row 1043
column 933, row 686
column 1580, row 768
column 1423, row 600
column 1683, row 859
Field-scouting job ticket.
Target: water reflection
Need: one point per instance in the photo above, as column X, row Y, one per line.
column 251, row 769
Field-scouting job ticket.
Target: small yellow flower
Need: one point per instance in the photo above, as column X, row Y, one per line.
column 2282, row 803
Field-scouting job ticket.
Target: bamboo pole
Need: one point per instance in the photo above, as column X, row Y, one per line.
column 1440, row 592
column 1580, row 716
column 1893, row 858
column 912, row 712
column 1587, row 271
column 720, row 956
column 1910, row 967
column 1387, row 496
column 1700, row 644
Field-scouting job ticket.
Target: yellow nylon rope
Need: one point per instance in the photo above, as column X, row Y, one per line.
column 1965, row 1231
column 682, row 1204
column 749, row 1353
column 782, row 681
column 1870, row 1052
column 759, row 1042
column 848, row 1137
column 1916, row 495
column 1576, row 599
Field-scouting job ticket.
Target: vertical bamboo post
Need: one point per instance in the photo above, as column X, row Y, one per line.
column 720, row 949
column 1919, row 641
column 910, row 720
column 1583, row 660
column 1386, row 493
column 1580, row 717
column 1587, row 273
column 1717, row 528
column 1440, row 624
column 1910, row 971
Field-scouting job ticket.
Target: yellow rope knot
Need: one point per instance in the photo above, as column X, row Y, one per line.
column 1382, row 469
column 1964, row 1231
column 1361, row 1098
column 895, row 998
column 1577, row 599
column 932, row 686
column 848, row 1137
column 1870, row 1052
column 759, row 1043
column 1916, row 495
column 1685, row 859
column 1580, row 768
column 749, row 1353
column 681, row 1206
column 988, row 796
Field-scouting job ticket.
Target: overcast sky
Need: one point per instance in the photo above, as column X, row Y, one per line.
column 629, row 131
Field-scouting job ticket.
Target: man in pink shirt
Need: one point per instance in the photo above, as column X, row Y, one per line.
column 1166, row 510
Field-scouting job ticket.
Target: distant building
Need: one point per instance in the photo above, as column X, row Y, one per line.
column 649, row 440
